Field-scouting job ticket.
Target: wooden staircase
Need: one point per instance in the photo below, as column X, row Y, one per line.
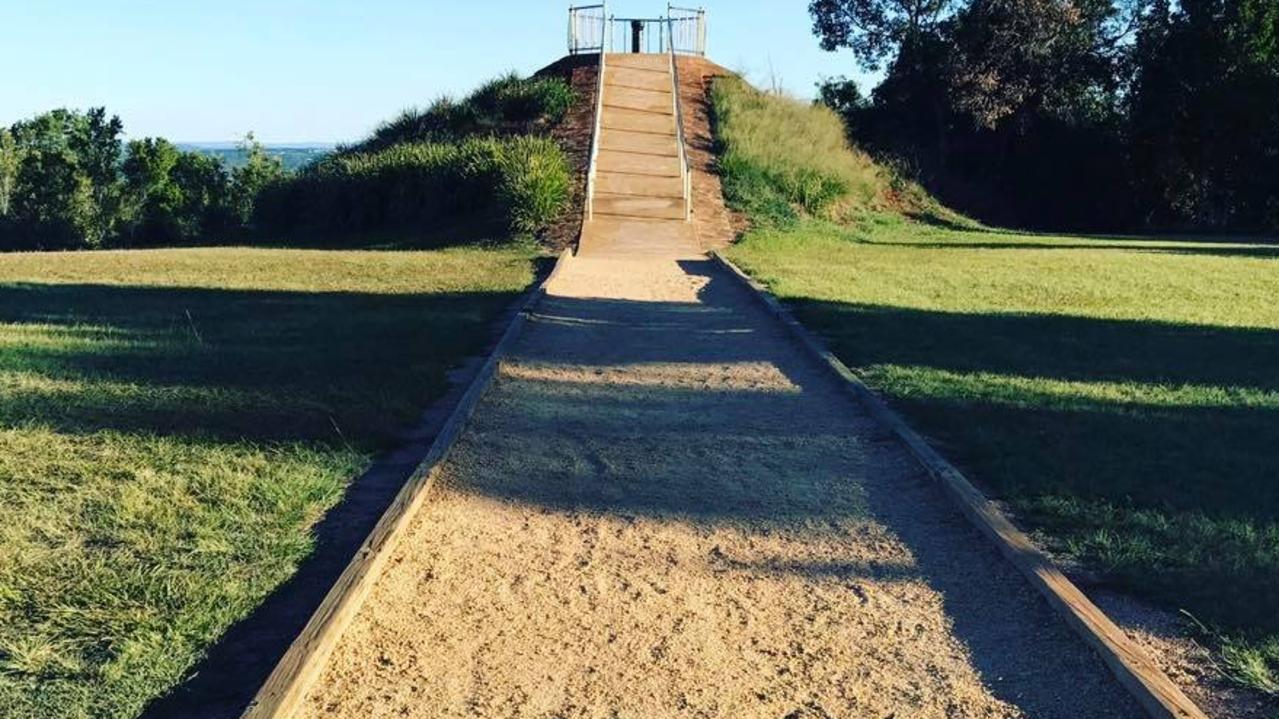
column 638, row 206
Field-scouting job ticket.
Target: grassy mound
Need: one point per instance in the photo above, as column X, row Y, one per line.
column 508, row 105
column 522, row 181
column 1115, row 392
column 781, row 158
column 482, row 160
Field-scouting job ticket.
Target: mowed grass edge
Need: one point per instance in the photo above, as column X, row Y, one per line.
column 174, row 422
column 1116, row 392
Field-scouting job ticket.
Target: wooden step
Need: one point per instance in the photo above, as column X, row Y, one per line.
column 634, row 77
column 642, row 142
column 606, row 236
column 618, row 118
column 637, row 164
column 613, row 183
column 653, row 61
column 632, row 99
column 670, row 208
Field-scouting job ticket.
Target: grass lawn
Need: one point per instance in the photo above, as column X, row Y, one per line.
column 1122, row 395
column 172, row 424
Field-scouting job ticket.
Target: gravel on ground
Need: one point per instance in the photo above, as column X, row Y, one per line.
column 662, row 507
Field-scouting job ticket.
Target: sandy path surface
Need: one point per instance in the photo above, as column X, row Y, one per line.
column 663, row 508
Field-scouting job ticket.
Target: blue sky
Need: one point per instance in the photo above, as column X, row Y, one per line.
column 328, row 70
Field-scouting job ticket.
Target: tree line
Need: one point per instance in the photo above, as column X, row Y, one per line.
column 69, row 181
column 1071, row 114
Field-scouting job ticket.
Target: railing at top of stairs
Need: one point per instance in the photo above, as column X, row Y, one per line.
column 682, row 31
column 587, row 31
column 685, row 168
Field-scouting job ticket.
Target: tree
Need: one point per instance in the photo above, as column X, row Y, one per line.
column 259, row 171
column 67, row 182
column 52, row 203
column 911, row 35
column 876, row 29
column 205, row 188
column 1027, row 56
column 1204, row 114
column 1083, row 114
column 154, row 200
column 841, row 95
column 63, row 166
column 95, row 140
column 175, row 197
column 9, row 162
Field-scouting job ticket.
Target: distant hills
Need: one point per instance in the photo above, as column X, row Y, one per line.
column 293, row 155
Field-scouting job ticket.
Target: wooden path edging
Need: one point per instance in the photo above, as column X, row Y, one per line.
column 1153, row 690
column 307, row 656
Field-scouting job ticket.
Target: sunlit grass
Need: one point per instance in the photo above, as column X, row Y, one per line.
column 779, row 154
column 174, row 422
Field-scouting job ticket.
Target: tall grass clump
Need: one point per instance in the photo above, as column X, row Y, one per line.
column 522, row 181
column 483, row 160
column 503, row 107
column 779, row 155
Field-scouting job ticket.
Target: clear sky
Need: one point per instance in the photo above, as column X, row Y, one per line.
column 329, row 70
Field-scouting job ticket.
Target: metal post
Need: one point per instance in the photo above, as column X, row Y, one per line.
column 701, row 32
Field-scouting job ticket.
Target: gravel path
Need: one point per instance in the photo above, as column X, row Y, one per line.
column 663, row 508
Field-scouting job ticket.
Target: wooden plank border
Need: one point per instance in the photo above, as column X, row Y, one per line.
column 307, row 656
column 1153, row 690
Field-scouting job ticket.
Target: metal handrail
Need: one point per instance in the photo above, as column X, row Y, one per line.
column 644, row 43
column 685, row 170
column 599, row 114
column 696, row 44
column 685, row 34
column 580, row 30
column 581, row 38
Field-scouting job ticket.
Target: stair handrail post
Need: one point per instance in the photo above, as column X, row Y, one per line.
column 581, row 28
column 701, row 32
column 599, row 113
column 685, row 172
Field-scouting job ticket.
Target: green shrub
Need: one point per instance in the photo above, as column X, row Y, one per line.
column 523, row 181
column 506, row 106
column 512, row 100
column 171, row 197
column 58, row 180
column 533, row 182
column 779, row 155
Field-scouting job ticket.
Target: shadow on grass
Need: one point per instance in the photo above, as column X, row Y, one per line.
column 803, row 455
column 945, row 222
column 784, row 452
column 447, row 232
column 256, row 365
column 1171, row 248
column 1051, row 346
column 326, row 369
column 1178, row 500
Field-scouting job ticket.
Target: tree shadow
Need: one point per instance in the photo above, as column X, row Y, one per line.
column 1182, row 484
column 257, row 365
column 1053, row 346
column 459, row 230
column 943, row 221
column 775, row 448
column 328, row 369
column 1257, row 251
column 743, row 430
